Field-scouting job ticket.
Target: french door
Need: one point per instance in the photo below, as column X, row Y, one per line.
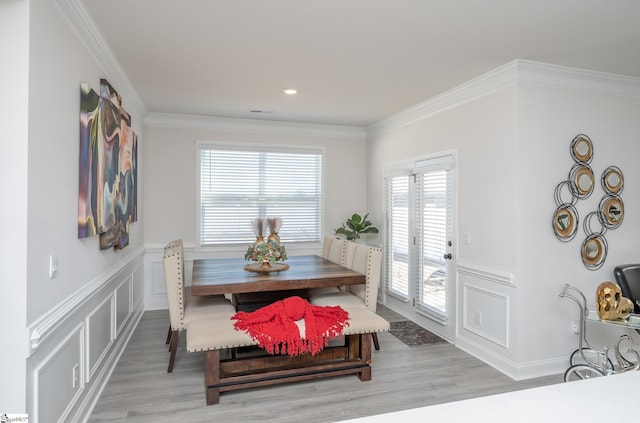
column 419, row 248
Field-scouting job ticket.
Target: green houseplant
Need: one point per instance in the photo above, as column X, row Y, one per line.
column 355, row 226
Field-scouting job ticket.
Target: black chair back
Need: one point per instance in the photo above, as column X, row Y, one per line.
column 628, row 277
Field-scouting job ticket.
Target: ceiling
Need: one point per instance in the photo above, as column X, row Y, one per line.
column 354, row 62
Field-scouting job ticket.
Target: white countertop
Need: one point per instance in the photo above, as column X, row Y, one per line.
column 602, row 399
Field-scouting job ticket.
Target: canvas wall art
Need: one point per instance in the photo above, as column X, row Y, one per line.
column 107, row 196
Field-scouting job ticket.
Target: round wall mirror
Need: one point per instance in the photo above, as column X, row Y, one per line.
column 611, row 211
column 565, row 222
column 594, row 251
column 582, row 179
column 582, row 149
column 612, row 180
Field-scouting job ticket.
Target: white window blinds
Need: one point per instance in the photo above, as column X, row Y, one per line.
column 433, row 219
column 397, row 255
column 238, row 185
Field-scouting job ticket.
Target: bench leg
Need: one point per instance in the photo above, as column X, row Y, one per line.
column 212, row 376
column 376, row 344
column 173, row 347
column 365, row 355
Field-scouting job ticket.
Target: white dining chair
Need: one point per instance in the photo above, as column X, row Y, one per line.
column 333, row 249
column 362, row 259
column 183, row 307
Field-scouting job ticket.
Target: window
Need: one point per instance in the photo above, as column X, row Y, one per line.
column 239, row 184
column 433, row 198
column 397, row 257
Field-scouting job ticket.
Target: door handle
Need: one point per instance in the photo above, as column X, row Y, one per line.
column 448, row 256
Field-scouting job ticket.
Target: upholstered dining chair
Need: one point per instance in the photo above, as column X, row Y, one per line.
column 363, row 259
column 333, row 249
column 183, row 307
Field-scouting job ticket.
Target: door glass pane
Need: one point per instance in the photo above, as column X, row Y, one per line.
column 432, row 220
column 398, row 236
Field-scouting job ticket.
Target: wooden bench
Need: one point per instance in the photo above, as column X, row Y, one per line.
column 235, row 372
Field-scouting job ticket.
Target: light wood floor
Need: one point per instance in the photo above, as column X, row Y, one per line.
column 141, row 390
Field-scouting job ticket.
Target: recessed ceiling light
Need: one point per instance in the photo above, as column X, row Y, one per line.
column 290, row 91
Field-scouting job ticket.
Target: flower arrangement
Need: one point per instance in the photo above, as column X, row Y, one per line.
column 266, row 252
column 269, row 251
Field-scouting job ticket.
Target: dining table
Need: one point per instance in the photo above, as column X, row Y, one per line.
column 249, row 366
column 215, row 276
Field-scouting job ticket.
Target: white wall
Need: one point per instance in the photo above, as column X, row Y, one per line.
column 78, row 322
column 512, row 129
column 14, row 44
column 549, row 119
column 60, row 61
column 171, row 162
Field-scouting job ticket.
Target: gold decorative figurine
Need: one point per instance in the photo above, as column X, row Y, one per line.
column 610, row 302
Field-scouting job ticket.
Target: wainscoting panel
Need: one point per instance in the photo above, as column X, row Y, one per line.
column 137, row 290
column 486, row 299
column 55, row 404
column 155, row 293
column 124, row 305
column 76, row 345
column 155, row 286
column 100, row 334
column 486, row 314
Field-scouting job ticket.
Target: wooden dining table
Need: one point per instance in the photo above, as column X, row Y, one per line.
column 215, row 276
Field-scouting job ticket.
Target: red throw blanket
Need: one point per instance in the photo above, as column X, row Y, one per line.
column 274, row 326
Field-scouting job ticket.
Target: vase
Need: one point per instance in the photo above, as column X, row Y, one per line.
column 256, row 245
column 274, row 238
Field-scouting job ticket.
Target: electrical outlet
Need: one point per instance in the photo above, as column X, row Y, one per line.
column 53, row 266
column 75, row 376
column 477, row 318
column 574, row 328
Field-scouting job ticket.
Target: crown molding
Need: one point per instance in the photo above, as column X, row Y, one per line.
column 169, row 120
column 482, row 85
column 575, row 79
column 523, row 72
column 85, row 28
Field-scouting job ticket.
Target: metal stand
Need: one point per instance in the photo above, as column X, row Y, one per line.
column 588, row 361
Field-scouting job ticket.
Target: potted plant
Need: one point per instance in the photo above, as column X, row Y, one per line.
column 355, row 226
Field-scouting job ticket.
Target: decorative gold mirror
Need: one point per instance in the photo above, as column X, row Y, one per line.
column 565, row 218
column 611, row 211
column 583, row 180
column 594, row 251
column 565, row 222
column 612, row 180
column 582, row 149
column 594, row 246
column 581, row 184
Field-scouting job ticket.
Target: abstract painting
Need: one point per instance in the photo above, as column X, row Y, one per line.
column 107, row 196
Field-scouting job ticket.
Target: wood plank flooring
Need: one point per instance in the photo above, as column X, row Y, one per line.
column 141, row 390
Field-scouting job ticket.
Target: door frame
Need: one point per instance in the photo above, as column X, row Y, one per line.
column 443, row 327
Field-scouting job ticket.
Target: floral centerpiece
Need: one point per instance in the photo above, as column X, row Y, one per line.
column 266, row 253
